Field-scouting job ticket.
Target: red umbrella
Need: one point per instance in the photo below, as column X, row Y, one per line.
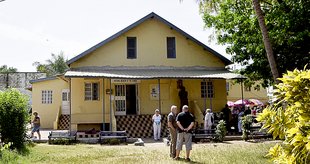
column 244, row 102
column 256, row 102
column 230, row 103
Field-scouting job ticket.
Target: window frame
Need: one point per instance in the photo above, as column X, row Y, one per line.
column 91, row 91
column 132, row 49
column 207, row 89
column 47, row 97
column 171, row 48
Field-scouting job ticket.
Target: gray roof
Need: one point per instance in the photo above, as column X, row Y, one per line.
column 43, row 79
column 152, row 73
column 149, row 16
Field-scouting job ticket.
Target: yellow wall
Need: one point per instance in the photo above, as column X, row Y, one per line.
column 151, row 50
column 85, row 112
column 234, row 92
column 48, row 112
column 169, row 95
column 90, row 112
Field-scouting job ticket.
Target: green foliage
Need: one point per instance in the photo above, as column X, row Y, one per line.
column 61, row 141
column 13, row 118
column 236, row 26
column 112, row 141
column 288, row 119
column 8, row 156
column 246, row 124
column 6, row 69
column 220, row 131
column 54, row 66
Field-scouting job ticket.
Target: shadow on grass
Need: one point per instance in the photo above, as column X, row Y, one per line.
column 184, row 160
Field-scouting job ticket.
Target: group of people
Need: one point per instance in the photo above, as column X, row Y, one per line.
column 180, row 129
column 233, row 118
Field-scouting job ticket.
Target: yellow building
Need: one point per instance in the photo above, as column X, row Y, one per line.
column 235, row 91
column 118, row 83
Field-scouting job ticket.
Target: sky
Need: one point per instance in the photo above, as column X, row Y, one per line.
column 31, row 30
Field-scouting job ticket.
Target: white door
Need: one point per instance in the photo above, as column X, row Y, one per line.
column 120, row 100
column 65, row 107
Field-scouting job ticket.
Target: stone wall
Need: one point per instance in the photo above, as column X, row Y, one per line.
column 19, row 80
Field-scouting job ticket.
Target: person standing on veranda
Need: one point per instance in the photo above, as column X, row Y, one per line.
column 172, row 125
column 156, row 125
column 185, row 122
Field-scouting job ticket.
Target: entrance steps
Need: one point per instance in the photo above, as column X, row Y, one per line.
column 140, row 126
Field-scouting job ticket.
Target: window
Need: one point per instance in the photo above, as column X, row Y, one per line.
column 171, row 47
column 247, row 88
column 47, row 97
column 131, row 47
column 91, row 91
column 207, row 89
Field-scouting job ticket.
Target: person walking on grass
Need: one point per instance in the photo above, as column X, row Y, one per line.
column 172, row 125
column 36, row 125
column 185, row 121
column 156, row 125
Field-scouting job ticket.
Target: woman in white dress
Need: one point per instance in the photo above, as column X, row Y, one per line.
column 156, row 125
column 208, row 120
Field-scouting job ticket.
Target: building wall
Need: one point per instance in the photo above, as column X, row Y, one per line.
column 235, row 94
column 91, row 112
column 151, row 50
column 48, row 112
column 85, row 112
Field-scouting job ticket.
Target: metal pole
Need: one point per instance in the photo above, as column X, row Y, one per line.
column 205, row 96
column 210, row 96
column 159, row 100
column 242, row 91
column 103, row 107
column 110, row 106
column 70, row 105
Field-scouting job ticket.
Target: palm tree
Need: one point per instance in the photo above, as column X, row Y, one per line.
column 56, row 65
column 267, row 43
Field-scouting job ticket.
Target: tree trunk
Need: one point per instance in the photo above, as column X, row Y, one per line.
column 267, row 44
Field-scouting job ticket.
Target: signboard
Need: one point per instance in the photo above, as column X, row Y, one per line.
column 125, row 81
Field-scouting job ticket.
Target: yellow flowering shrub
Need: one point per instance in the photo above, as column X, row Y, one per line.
column 288, row 118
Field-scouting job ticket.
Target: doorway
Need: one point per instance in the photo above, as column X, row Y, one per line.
column 65, row 106
column 126, row 102
column 131, row 98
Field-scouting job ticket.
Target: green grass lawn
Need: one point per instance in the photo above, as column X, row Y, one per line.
column 238, row 152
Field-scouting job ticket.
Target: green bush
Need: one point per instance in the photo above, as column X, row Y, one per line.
column 13, row 118
column 61, row 141
column 112, row 141
column 220, row 131
column 288, row 119
column 246, row 124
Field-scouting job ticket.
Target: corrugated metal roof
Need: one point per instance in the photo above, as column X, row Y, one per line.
column 149, row 16
column 153, row 73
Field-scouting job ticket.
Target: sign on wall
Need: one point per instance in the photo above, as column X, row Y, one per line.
column 154, row 92
column 126, row 81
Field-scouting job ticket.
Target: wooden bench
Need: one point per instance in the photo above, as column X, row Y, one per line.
column 104, row 135
column 203, row 134
column 61, row 135
column 255, row 130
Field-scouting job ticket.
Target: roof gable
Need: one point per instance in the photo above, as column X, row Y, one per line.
column 149, row 16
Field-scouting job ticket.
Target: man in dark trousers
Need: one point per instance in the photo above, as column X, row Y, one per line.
column 226, row 117
column 172, row 125
column 185, row 122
